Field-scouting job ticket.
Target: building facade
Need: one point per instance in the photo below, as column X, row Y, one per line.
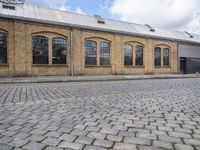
column 34, row 47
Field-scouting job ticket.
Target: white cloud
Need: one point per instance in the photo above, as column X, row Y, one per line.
column 175, row 14
column 78, row 10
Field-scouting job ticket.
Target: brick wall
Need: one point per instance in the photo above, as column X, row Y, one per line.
column 20, row 51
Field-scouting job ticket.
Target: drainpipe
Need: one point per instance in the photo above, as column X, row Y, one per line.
column 71, row 53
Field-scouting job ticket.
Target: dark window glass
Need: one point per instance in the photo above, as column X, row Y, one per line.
column 40, row 50
column 90, row 53
column 139, row 56
column 157, row 56
column 165, row 57
column 3, row 48
column 128, row 54
column 59, row 50
column 104, row 53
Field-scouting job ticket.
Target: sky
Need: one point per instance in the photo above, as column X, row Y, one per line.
column 182, row 15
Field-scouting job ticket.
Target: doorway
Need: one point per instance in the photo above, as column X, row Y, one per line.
column 183, row 65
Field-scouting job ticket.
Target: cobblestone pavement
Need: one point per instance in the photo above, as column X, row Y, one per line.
column 133, row 115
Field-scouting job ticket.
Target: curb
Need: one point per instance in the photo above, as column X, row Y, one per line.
column 93, row 79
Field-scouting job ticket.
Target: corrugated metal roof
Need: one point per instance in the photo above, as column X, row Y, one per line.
column 58, row 17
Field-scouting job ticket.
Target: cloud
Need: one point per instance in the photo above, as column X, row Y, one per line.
column 79, row 11
column 174, row 14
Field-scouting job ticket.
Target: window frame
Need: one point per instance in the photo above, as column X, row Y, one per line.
column 5, row 48
column 168, row 60
column 160, row 58
column 130, row 54
column 102, row 54
column 88, row 53
column 65, row 60
column 136, row 50
column 46, row 61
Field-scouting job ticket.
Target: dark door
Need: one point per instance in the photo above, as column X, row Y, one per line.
column 183, row 65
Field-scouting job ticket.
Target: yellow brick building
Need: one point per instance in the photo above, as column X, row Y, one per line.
column 41, row 41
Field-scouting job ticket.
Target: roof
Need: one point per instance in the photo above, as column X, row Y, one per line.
column 59, row 17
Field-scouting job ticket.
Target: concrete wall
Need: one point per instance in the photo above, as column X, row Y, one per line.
column 20, row 51
column 191, row 52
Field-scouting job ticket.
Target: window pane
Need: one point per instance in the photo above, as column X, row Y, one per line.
column 166, row 57
column 90, row 53
column 139, row 56
column 128, row 54
column 59, row 50
column 3, row 48
column 157, row 56
column 40, row 50
column 104, row 53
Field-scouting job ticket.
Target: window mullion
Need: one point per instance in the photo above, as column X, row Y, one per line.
column 98, row 53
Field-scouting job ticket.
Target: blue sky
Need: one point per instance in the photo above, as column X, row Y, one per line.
column 181, row 15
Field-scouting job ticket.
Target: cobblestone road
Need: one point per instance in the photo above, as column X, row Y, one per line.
column 133, row 115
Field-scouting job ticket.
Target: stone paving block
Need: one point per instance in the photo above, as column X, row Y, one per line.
column 196, row 136
column 18, row 142
column 5, row 139
column 127, row 133
column 67, row 137
column 84, row 140
column 179, row 134
column 183, row 147
column 159, row 132
column 9, row 133
column 116, row 138
column 140, row 141
column 184, row 130
column 72, row 145
column 5, row 147
column 93, row 129
column 192, row 142
column 21, row 135
column 109, row 131
column 97, row 135
column 38, row 138
column 14, row 128
column 94, row 148
column 125, row 146
column 146, row 136
column 149, row 148
column 162, row 144
column 53, row 148
column 79, row 132
column 51, row 141
column 103, row 143
column 34, row 146
column 38, row 132
column 53, row 134
column 64, row 130
column 197, row 147
column 169, row 139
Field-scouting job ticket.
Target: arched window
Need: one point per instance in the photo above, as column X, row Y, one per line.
column 104, row 53
column 3, row 48
column 139, row 55
column 59, row 52
column 40, row 50
column 90, row 53
column 157, row 55
column 128, row 54
column 166, row 57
